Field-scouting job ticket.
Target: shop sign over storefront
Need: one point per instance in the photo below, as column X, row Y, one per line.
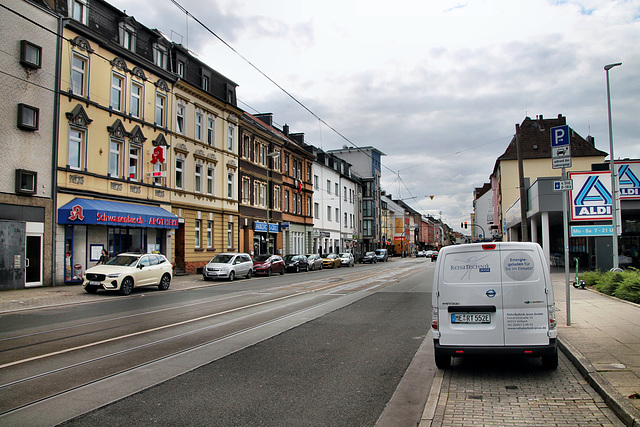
column 102, row 212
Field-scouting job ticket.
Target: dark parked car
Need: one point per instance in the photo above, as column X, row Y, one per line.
column 268, row 264
column 296, row 263
column 369, row 257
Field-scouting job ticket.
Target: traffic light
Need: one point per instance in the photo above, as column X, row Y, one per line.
column 465, row 224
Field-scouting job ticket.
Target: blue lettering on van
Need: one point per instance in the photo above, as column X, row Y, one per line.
column 485, row 270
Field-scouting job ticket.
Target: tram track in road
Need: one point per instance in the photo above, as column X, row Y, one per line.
column 97, row 361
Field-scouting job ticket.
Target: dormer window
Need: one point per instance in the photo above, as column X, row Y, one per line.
column 205, row 83
column 180, row 69
column 78, row 10
column 127, row 35
column 160, row 55
column 205, row 79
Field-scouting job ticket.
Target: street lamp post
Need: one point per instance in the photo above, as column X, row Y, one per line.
column 274, row 156
column 614, row 174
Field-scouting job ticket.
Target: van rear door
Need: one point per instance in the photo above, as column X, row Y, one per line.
column 526, row 295
column 469, row 296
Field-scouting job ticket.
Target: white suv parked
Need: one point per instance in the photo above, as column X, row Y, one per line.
column 228, row 265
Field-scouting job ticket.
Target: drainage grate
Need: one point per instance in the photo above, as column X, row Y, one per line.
column 474, row 397
column 511, row 387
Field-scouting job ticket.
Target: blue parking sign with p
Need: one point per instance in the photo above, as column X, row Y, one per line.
column 560, row 136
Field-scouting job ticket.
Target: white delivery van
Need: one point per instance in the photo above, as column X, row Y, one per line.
column 493, row 298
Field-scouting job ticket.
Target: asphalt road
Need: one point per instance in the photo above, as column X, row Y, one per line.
column 318, row 348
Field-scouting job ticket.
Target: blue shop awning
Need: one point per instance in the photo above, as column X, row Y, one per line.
column 102, row 212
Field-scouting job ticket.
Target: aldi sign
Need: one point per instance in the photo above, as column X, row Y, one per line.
column 591, row 196
column 628, row 182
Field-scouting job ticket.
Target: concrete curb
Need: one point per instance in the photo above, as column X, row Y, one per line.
column 623, row 409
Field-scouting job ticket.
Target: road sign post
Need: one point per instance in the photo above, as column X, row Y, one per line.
column 561, row 159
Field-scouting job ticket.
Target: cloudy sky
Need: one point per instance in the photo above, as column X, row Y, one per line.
column 436, row 85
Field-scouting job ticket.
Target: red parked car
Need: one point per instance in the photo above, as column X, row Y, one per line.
column 267, row 264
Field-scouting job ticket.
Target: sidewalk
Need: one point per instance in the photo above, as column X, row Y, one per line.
column 603, row 342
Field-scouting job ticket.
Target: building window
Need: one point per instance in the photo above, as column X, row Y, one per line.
column 211, row 130
column 135, row 104
column 262, row 195
column 180, row 113
column 230, row 235
column 79, row 65
column 30, row 54
column 316, row 182
column 337, row 215
column 231, row 138
column 255, row 193
column 328, row 213
column 198, row 178
column 286, row 164
column 276, row 161
column 230, row 184
column 367, row 208
column 161, row 104
column 197, row 232
column 134, row 162
column 245, row 147
column 199, row 118
column 117, row 86
column 179, row 173
column 246, row 183
column 26, row 181
column 309, row 168
column 210, row 177
column 367, row 228
column 160, row 55
column 127, row 37
column 276, row 198
column 157, row 174
column 346, row 223
column 209, row 234
column 337, row 190
column 328, row 187
column 180, row 68
column 309, row 213
column 115, row 156
column 344, row 193
column 76, row 148
column 286, row 201
column 78, row 10
column 28, row 117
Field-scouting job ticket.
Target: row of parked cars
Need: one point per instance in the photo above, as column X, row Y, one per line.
column 232, row 265
column 126, row 271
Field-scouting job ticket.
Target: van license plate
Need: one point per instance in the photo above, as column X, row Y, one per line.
column 471, row 318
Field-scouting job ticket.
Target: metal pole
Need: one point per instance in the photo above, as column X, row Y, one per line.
column 614, row 173
column 524, row 226
column 565, row 222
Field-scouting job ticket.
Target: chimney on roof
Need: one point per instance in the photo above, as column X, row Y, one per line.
column 285, row 129
column 297, row 137
column 591, row 140
column 266, row 118
column 541, row 122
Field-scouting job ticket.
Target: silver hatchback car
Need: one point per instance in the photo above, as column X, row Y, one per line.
column 228, row 265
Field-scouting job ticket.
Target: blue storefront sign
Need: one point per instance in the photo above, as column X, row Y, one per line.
column 591, row 230
column 103, row 212
column 262, row 227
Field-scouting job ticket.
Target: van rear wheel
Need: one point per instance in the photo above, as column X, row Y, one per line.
column 550, row 361
column 443, row 361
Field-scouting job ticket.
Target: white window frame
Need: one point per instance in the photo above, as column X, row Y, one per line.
column 276, row 198
column 211, row 130
column 138, row 97
column 209, row 234
column 79, row 72
column 115, row 157
column 78, row 10
column 180, row 173
column 80, row 143
column 211, row 179
column 316, row 210
column 198, row 125
column 197, row 187
column 229, row 235
column 135, row 151
column 181, row 117
column 160, row 116
column 197, row 229
column 246, row 191
column 230, row 182
column 160, row 55
column 116, row 98
column 231, row 138
column 255, row 194
column 180, row 67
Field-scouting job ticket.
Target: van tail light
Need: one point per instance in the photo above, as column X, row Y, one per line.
column 488, row 247
column 552, row 317
column 434, row 318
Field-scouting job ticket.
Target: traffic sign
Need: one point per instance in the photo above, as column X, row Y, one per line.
column 567, row 184
column 560, row 162
column 560, row 136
